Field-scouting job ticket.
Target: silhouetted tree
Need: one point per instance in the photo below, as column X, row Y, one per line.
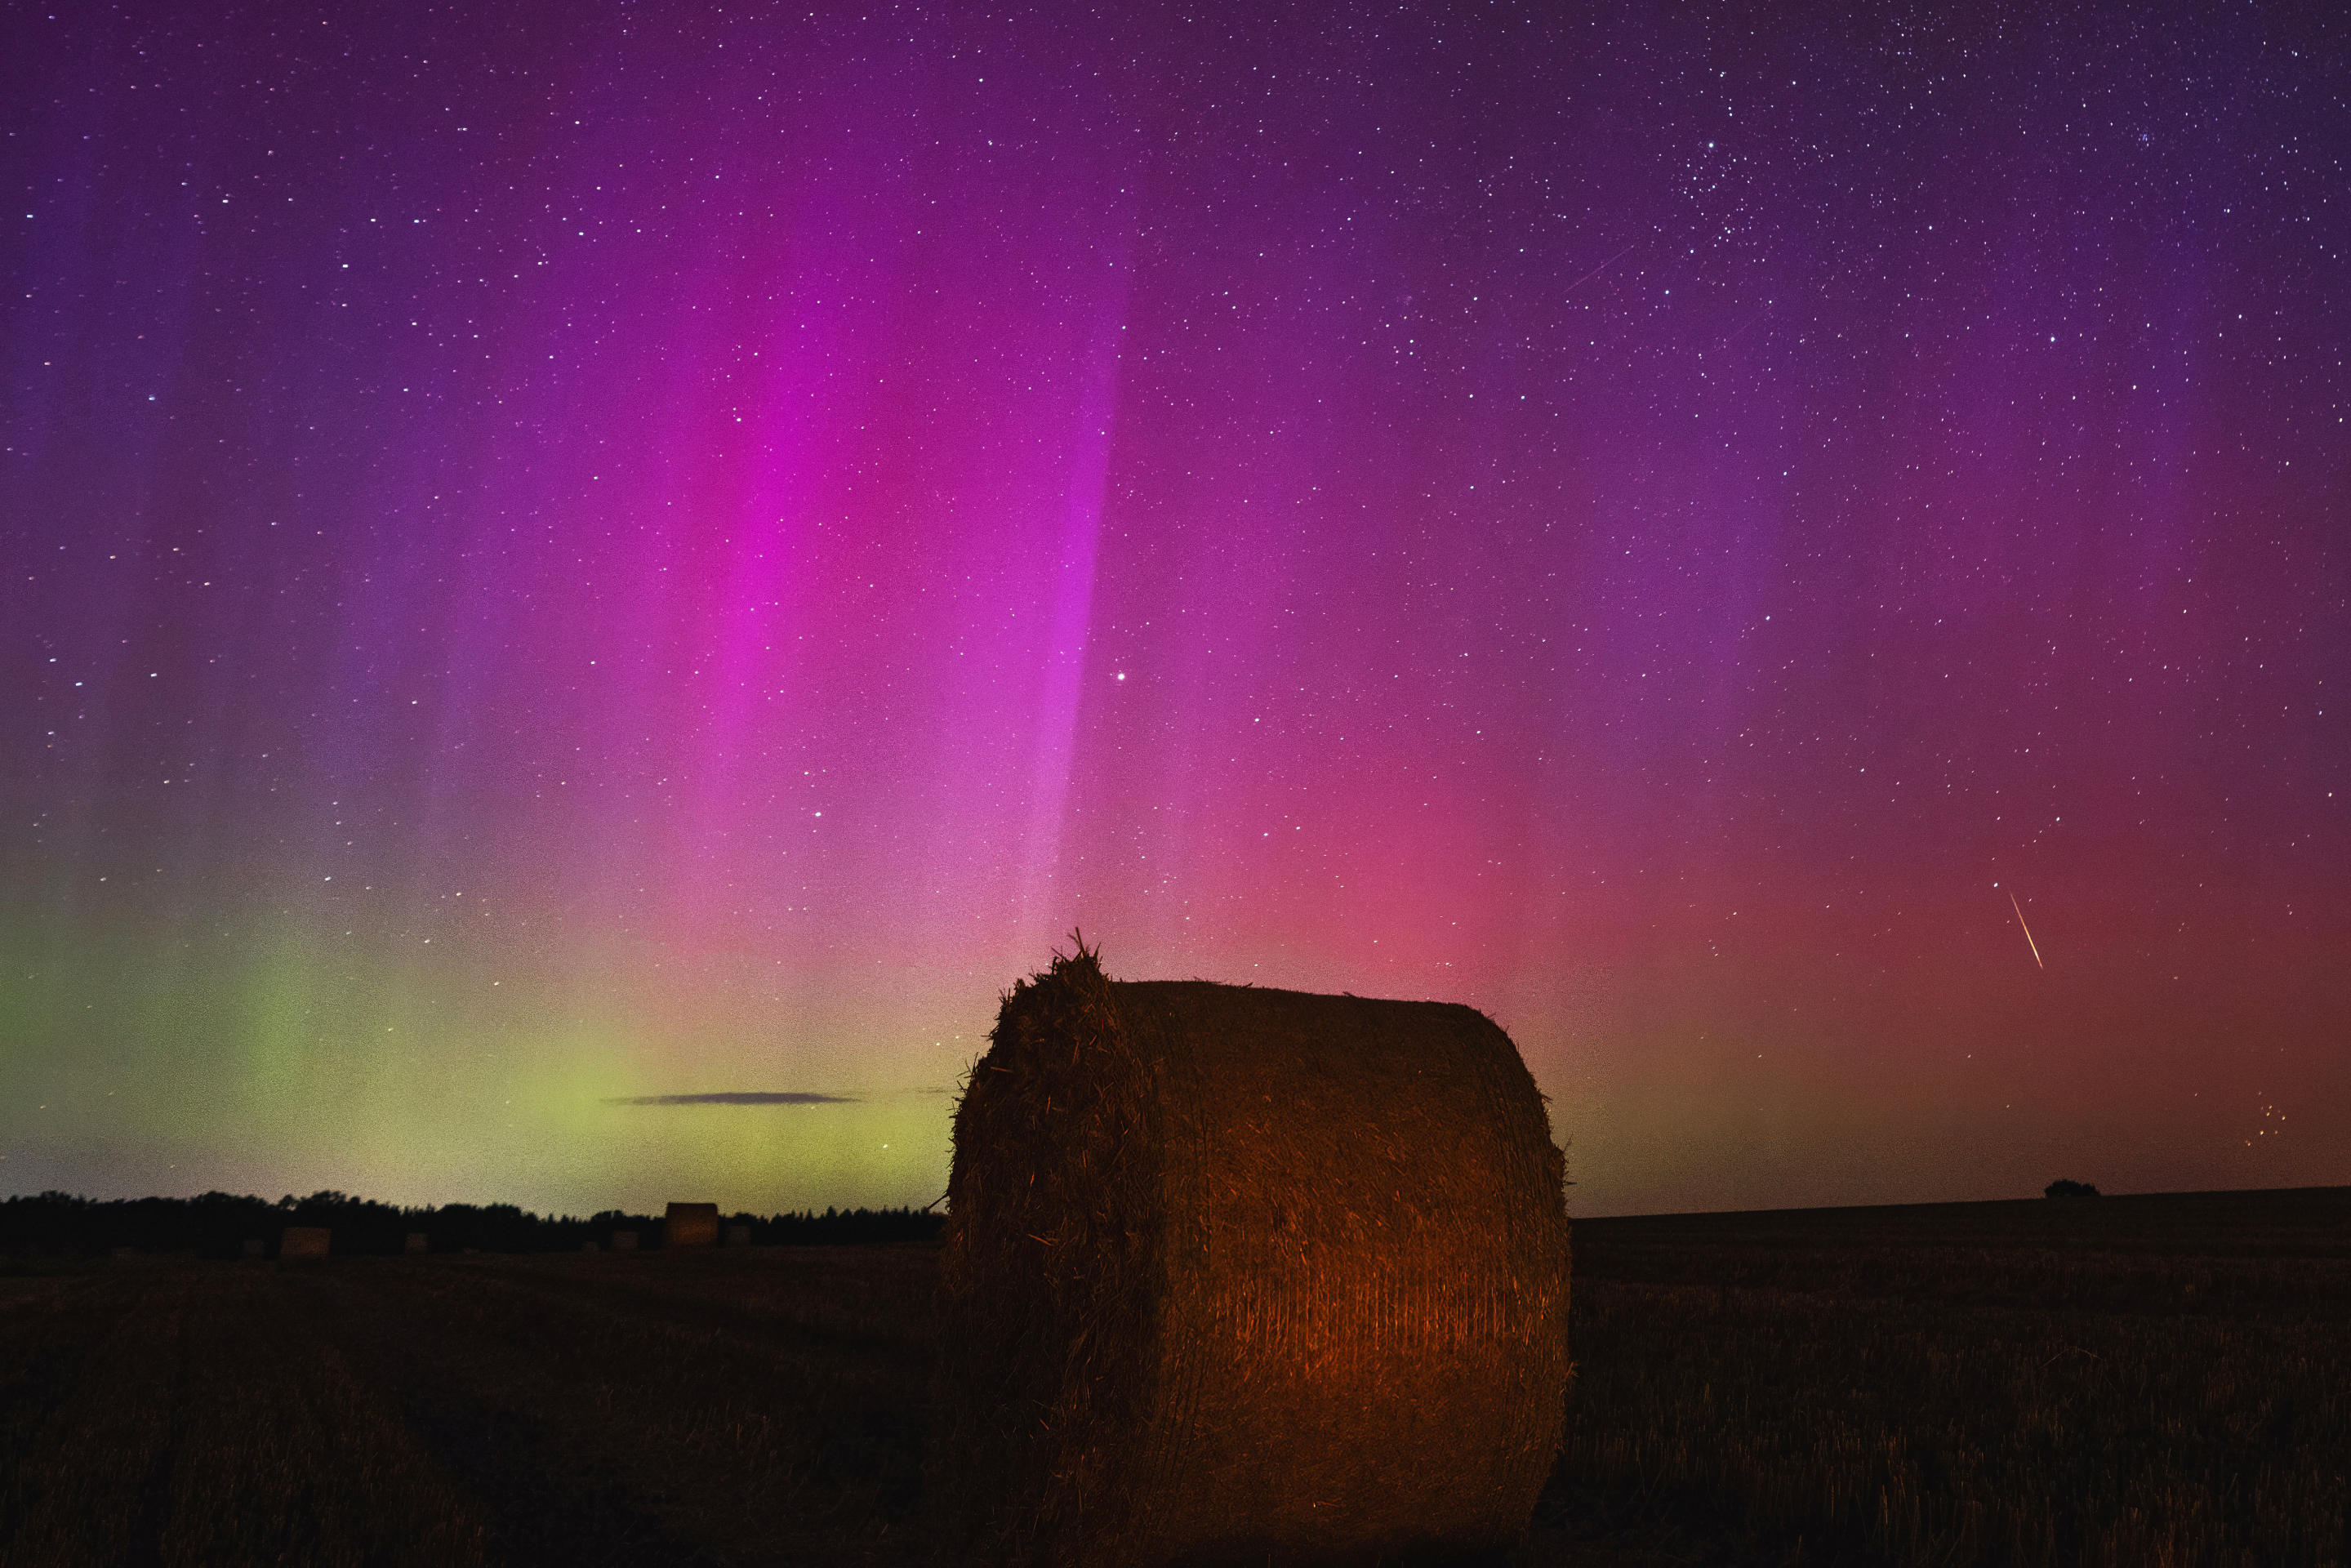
column 218, row 1224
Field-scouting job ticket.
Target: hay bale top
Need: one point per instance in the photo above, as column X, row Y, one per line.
column 304, row 1241
column 691, row 1225
column 1232, row 1272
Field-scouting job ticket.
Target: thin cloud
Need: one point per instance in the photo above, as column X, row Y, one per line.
column 737, row 1097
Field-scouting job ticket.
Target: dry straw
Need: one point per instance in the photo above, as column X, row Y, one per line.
column 1234, row 1274
column 303, row 1244
column 691, row 1225
column 418, row 1243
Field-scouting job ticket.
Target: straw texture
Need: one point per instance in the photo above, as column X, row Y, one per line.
column 303, row 1244
column 691, row 1225
column 1233, row 1274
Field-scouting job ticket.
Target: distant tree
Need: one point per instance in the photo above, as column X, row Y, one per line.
column 2063, row 1188
column 843, row 1227
column 218, row 1224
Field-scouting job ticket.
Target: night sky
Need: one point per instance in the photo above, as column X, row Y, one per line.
column 586, row 584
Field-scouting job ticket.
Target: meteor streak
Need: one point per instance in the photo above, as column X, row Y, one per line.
column 1597, row 271
column 2028, row 932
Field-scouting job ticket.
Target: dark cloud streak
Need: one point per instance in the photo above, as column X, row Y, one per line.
column 737, row 1097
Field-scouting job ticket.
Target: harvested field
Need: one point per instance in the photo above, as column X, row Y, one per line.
column 2121, row 1380
column 2124, row 1381
column 752, row 1406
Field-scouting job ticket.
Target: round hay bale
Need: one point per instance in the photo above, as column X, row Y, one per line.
column 303, row 1244
column 691, row 1225
column 1232, row 1274
column 418, row 1244
column 625, row 1241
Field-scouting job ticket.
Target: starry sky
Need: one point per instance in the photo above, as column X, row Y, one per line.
column 586, row 584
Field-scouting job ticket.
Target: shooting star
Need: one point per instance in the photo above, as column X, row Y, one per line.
column 1595, row 272
column 2028, row 932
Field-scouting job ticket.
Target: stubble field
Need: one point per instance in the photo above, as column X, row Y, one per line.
column 2128, row 1381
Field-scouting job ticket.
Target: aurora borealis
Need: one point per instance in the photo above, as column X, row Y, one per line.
column 573, row 555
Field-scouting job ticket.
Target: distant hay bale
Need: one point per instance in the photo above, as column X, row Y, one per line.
column 738, row 1235
column 418, row 1244
column 625, row 1241
column 1240, row 1274
column 590, row 1246
column 303, row 1244
column 253, row 1247
column 691, row 1225
column 122, row 1254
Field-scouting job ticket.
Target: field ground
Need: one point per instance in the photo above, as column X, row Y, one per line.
column 2126, row 1381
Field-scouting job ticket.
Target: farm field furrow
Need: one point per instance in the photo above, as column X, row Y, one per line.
column 2001, row 1384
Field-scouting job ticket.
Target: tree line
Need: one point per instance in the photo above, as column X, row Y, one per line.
column 221, row 1225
